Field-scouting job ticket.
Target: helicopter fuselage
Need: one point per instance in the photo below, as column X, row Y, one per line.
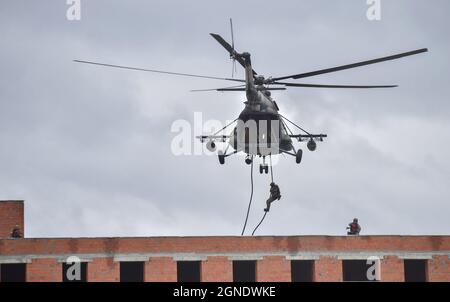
column 260, row 130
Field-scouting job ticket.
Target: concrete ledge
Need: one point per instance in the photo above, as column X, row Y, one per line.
column 246, row 258
column 302, row 257
column 190, row 257
column 15, row 260
column 422, row 256
column 64, row 260
column 131, row 258
column 359, row 256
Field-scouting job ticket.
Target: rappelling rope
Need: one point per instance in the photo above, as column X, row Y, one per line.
column 251, row 197
column 271, row 172
column 265, row 213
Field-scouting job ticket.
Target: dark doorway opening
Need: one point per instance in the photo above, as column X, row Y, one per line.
column 69, row 273
column 13, row 272
column 355, row 270
column 415, row 270
column 302, row 270
column 244, row 271
column 188, row 271
column 131, row 271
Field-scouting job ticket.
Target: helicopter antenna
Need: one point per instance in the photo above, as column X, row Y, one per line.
column 232, row 56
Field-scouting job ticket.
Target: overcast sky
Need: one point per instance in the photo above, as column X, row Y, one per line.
column 89, row 148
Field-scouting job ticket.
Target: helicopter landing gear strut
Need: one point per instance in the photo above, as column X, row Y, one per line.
column 297, row 154
column 264, row 167
column 221, row 155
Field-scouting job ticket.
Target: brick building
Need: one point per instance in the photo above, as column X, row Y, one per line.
column 265, row 258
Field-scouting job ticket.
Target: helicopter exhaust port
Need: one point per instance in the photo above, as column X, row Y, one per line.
column 312, row 145
column 211, row 146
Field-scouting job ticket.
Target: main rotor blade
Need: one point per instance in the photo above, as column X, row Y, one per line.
column 215, row 89
column 243, row 89
column 354, row 65
column 334, row 86
column 233, row 64
column 158, row 71
column 232, row 33
column 230, row 49
column 235, row 88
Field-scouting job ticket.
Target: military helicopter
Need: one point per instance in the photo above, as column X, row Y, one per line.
column 261, row 129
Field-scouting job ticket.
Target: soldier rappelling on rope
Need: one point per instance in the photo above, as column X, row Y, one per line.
column 274, row 195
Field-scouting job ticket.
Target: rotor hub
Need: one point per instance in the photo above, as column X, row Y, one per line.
column 259, row 80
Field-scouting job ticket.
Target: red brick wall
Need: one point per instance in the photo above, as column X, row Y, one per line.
column 273, row 269
column 162, row 269
column 217, row 269
column 439, row 269
column 392, row 269
column 291, row 244
column 44, row 270
column 103, row 269
column 328, row 269
column 11, row 214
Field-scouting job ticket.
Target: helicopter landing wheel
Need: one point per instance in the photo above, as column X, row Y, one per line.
column 221, row 158
column 263, row 169
column 298, row 156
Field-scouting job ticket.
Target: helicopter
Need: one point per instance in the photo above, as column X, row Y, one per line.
column 261, row 129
